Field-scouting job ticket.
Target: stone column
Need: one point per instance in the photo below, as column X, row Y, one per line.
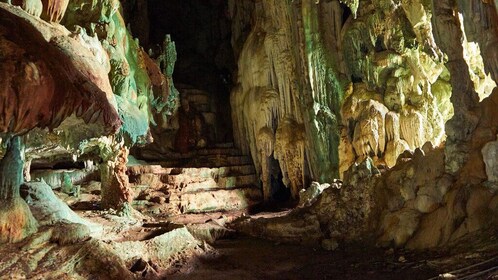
column 116, row 191
column 16, row 220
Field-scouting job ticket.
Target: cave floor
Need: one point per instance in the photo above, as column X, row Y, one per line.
column 249, row 258
column 234, row 256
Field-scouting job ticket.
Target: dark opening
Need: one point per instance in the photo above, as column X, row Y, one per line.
column 346, row 13
column 279, row 192
column 201, row 31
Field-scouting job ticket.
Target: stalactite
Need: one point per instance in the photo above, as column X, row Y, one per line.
column 54, row 10
column 412, row 129
column 266, row 143
column 33, row 7
column 309, row 97
column 289, row 151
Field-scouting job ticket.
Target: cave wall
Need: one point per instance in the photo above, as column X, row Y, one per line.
column 201, row 31
column 324, row 84
column 91, row 52
column 417, row 76
column 286, row 102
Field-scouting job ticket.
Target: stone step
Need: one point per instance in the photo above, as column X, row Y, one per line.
column 201, row 172
column 207, row 172
column 219, row 151
column 224, row 145
column 218, row 200
column 190, row 184
column 198, row 97
column 207, row 161
column 203, row 108
column 145, row 169
column 209, row 117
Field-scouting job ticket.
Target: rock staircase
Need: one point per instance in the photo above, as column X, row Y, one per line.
column 206, row 180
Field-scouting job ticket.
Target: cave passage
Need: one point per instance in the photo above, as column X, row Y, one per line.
column 201, row 31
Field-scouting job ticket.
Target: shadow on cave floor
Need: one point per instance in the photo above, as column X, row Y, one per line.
column 272, row 207
column 250, row 258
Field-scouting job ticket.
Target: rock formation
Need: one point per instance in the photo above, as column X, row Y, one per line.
column 75, row 86
column 374, row 121
column 381, row 81
column 70, row 80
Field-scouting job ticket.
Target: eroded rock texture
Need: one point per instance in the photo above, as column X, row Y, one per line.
column 64, row 83
column 92, row 79
column 358, row 80
column 70, row 84
column 407, row 86
column 288, row 86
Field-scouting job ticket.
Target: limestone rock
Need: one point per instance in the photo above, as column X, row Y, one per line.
column 329, row 244
column 161, row 249
column 399, row 227
column 428, row 199
column 310, row 195
column 209, row 232
column 490, row 155
column 291, row 228
column 49, row 209
column 34, row 7
column 92, row 99
column 69, row 233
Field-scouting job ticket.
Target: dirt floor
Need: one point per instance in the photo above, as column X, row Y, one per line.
column 249, row 258
column 242, row 257
column 235, row 256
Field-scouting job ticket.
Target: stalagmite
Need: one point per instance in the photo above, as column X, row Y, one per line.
column 116, row 192
column 16, row 220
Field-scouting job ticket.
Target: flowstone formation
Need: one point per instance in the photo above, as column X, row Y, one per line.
column 356, row 80
column 399, row 98
column 288, row 90
column 417, row 102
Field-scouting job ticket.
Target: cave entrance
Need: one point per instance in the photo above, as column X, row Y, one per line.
column 201, row 31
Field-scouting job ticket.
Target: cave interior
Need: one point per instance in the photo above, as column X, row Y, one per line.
column 248, row 139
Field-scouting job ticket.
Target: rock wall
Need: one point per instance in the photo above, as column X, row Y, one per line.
column 419, row 98
column 142, row 92
column 91, row 78
column 355, row 79
column 288, row 91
